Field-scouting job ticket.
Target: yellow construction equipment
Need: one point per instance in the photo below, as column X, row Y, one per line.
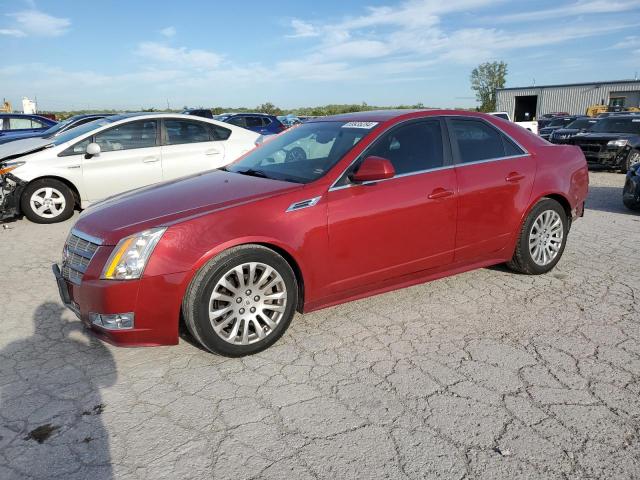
column 6, row 107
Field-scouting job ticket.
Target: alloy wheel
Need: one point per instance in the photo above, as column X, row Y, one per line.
column 545, row 238
column 247, row 303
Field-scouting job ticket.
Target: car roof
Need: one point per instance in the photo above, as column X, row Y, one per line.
column 24, row 115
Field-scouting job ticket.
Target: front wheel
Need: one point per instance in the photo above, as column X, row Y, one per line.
column 542, row 239
column 632, row 159
column 242, row 301
column 47, row 201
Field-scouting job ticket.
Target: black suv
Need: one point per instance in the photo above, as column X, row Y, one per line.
column 579, row 125
column 554, row 124
column 612, row 142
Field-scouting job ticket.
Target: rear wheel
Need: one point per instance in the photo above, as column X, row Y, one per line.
column 242, row 301
column 542, row 239
column 47, row 201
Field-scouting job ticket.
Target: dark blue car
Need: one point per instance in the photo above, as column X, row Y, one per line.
column 17, row 123
column 54, row 130
column 258, row 122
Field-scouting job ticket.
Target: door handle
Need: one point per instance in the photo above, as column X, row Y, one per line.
column 514, row 177
column 150, row 159
column 213, row 151
column 439, row 193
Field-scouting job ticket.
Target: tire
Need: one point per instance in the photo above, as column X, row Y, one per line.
column 630, row 200
column 632, row 159
column 524, row 260
column 47, row 200
column 246, row 323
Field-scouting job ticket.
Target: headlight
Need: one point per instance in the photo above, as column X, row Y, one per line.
column 128, row 259
column 618, row 143
column 10, row 166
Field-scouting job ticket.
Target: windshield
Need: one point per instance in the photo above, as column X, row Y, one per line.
column 49, row 132
column 81, row 130
column 303, row 154
column 584, row 123
column 617, row 125
column 559, row 122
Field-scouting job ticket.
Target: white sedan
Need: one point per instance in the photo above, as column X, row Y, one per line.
column 45, row 179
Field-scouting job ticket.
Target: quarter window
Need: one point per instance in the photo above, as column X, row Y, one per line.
column 479, row 141
column 412, row 148
column 253, row 122
column 181, row 131
column 139, row 134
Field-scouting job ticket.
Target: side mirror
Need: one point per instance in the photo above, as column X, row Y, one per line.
column 93, row 149
column 374, row 168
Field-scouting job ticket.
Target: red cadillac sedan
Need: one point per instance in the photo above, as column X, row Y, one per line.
column 334, row 210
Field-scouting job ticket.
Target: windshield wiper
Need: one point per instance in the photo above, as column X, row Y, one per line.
column 253, row 173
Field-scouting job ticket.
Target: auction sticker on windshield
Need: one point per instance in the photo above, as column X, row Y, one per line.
column 367, row 125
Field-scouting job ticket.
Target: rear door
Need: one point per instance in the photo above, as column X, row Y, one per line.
column 129, row 158
column 495, row 178
column 190, row 146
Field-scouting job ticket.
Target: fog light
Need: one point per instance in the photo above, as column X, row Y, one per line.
column 112, row 321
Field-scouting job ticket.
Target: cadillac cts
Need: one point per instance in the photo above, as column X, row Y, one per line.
column 336, row 209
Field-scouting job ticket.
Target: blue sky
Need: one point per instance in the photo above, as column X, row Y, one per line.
column 127, row 54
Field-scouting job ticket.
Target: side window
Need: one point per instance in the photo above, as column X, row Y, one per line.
column 183, row 131
column 219, row 133
column 412, row 148
column 77, row 149
column 477, row 140
column 266, row 121
column 138, row 134
column 22, row 123
column 237, row 121
column 253, row 122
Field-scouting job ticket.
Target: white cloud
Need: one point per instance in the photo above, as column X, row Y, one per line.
column 37, row 23
column 302, row 29
column 11, row 32
column 168, row 32
column 180, row 57
column 581, row 7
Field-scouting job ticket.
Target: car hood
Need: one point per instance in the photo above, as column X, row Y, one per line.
column 566, row 131
column 601, row 137
column 172, row 202
column 6, row 138
column 21, row 147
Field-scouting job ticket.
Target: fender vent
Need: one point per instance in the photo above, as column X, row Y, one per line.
column 303, row 204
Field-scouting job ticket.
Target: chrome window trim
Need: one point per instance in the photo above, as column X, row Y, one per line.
column 86, row 236
column 526, row 153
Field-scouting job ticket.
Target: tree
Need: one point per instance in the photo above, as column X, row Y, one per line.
column 269, row 108
column 485, row 79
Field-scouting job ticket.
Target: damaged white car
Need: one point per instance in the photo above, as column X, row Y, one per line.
column 46, row 179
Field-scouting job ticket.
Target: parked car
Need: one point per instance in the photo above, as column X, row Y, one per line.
column 631, row 189
column 198, row 112
column 17, row 123
column 545, row 119
column 532, row 126
column 612, row 142
column 57, row 129
column 257, row 122
column 47, row 178
column 565, row 134
column 330, row 211
column 555, row 124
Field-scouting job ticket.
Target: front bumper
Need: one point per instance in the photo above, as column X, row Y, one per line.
column 10, row 192
column 615, row 157
column 156, row 302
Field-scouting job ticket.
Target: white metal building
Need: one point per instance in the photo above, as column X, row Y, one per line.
column 527, row 103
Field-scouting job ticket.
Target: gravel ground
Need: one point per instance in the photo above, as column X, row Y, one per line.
column 487, row 374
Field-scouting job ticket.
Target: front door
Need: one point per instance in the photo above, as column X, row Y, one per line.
column 129, row 158
column 495, row 177
column 380, row 230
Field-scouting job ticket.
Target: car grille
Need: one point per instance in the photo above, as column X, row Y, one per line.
column 76, row 257
column 591, row 147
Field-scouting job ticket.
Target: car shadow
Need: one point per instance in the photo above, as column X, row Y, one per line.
column 51, row 406
column 607, row 199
